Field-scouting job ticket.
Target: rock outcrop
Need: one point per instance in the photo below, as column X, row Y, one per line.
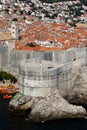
column 48, row 108
column 78, row 93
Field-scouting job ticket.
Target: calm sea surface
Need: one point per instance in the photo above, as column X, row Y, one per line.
column 9, row 122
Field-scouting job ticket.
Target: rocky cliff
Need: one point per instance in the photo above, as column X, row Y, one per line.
column 41, row 109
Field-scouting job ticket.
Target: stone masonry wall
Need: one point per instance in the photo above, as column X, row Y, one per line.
column 37, row 79
column 41, row 78
column 68, row 63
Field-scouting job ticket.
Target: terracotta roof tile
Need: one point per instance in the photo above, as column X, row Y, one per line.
column 53, row 32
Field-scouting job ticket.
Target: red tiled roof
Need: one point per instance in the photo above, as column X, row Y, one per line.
column 52, row 32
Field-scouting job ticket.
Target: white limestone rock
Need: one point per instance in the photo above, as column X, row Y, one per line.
column 19, row 99
column 55, row 107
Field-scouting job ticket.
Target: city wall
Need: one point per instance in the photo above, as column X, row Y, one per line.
column 66, row 66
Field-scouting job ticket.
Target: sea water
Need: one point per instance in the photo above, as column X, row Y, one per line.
column 10, row 122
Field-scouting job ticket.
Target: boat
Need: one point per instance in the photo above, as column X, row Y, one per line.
column 2, row 88
column 7, row 91
column 7, row 96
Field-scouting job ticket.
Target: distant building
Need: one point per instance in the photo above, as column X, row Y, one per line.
column 6, row 1
column 14, row 28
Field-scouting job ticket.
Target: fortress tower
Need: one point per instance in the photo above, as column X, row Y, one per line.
column 39, row 77
column 14, row 28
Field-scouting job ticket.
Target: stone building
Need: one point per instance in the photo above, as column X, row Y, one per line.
column 39, row 72
column 6, row 1
column 14, row 28
column 40, row 77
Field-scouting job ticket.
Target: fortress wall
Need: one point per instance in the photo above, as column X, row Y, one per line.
column 21, row 83
column 56, row 56
column 40, row 83
column 66, row 65
column 39, row 54
column 3, row 55
column 79, row 61
column 63, row 56
column 13, row 71
column 11, row 45
column 37, row 79
column 21, row 89
column 65, row 78
column 79, row 52
column 65, row 87
column 86, row 56
column 40, row 80
column 16, row 56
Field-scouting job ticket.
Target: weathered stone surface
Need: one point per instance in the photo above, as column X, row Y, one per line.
column 69, row 77
column 78, row 93
column 19, row 99
column 55, row 107
column 49, row 108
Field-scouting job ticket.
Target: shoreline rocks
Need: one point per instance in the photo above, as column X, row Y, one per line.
column 57, row 105
column 47, row 108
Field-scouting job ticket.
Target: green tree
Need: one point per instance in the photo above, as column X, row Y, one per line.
column 32, row 44
column 6, row 76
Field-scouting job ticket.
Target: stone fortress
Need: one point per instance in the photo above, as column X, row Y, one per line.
column 40, row 77
column 49, row 82
column 39, row 72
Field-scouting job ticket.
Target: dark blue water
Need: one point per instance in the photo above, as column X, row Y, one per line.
column 10, row 122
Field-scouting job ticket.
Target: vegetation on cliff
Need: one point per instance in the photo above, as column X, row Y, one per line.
column 6, row 76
